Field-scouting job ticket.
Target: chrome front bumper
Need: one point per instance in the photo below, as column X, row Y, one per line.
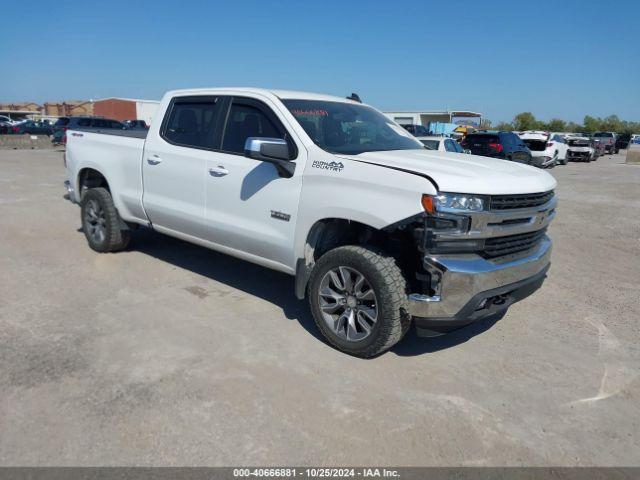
column 464, row 282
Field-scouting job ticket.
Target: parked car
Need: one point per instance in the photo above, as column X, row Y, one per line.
column 4, row 120
column 635, row 139
column 5, row 126
column 504, row 145
column 85, row 123
column 581, row 149
column 417, row 130
column 608, row 139
column 623, row 140
column 32, row 128
column 328, row 190
column 546, row 150
column 441, row 144
column 136, row 125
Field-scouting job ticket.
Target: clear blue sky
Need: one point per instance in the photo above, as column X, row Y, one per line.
column 557, row 59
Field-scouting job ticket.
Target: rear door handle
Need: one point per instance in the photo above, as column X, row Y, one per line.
column 218, row 171
column 154, row 161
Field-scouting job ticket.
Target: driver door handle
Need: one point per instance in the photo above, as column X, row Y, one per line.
column 154, row 161
column 218, row 171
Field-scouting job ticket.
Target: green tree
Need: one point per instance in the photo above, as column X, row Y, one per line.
column 556, row 125
column 525, row 121
column 591, row 124
column 611, row 124
column 485, row 124
column 573, row 127
column 504, row 126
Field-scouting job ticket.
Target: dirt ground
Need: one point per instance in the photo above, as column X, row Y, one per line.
column 170, row 354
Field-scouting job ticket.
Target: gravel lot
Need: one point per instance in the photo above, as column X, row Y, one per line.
column 170, row 354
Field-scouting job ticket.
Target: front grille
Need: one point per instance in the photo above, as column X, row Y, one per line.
column 527, row 200
column 497, row 247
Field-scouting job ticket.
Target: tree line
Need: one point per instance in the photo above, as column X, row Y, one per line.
column 527, row 121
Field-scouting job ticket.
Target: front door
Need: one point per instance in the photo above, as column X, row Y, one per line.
column 249, row 207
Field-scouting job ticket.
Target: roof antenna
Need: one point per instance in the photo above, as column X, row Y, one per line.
column 355, row 97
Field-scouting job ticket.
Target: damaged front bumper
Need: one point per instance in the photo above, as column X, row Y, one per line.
column 469, row 287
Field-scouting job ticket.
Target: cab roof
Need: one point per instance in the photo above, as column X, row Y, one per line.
column 281, row 94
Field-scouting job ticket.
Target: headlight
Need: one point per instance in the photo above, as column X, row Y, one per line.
column 459, row 202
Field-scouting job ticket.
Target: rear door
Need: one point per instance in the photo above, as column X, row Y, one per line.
column 174, row 164
column 249, row 207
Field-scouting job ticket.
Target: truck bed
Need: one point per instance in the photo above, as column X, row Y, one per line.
column 117, row 154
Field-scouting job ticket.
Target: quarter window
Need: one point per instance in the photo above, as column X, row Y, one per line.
column 192, row 122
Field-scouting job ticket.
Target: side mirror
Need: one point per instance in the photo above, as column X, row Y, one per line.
column 272, row 150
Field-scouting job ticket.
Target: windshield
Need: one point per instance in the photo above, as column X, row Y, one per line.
column 431, row 144
column 349, row 129
column 603, row 134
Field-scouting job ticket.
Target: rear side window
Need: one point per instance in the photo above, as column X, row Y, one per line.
column 193, row 122
column 510, row 139
column 62, row 122
column 84, row 122
column 246, row 119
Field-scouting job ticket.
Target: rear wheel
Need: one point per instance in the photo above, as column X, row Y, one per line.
column 357, row 296
column 101, row 222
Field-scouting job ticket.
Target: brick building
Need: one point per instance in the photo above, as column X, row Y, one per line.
column 126, row 109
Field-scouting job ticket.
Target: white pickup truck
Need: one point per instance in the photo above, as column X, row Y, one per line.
column 378, row 231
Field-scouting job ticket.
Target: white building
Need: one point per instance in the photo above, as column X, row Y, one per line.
column 459, row 117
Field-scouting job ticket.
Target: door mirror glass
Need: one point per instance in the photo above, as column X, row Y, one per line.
column 272, row 150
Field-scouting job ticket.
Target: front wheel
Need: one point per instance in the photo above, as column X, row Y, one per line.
column 357, row 296
column 101, row 222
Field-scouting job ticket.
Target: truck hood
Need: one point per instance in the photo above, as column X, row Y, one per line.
column 464, row 173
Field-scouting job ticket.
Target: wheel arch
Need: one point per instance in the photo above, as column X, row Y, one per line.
column 329, row 233
column 325, row 234
column 89, row 177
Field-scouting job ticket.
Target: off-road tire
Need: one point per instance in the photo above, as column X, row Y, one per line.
column 389, row 285
column 115, row 238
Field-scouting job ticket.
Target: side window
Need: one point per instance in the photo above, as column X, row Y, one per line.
column 514, row 140
column 449, row 146
column 458, row 147
column 249, row 118
column 115, row 124
column 192, row 122
column 84, row 122
column 100, row 123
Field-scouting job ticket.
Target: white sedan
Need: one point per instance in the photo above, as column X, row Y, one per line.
column 441, row 144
